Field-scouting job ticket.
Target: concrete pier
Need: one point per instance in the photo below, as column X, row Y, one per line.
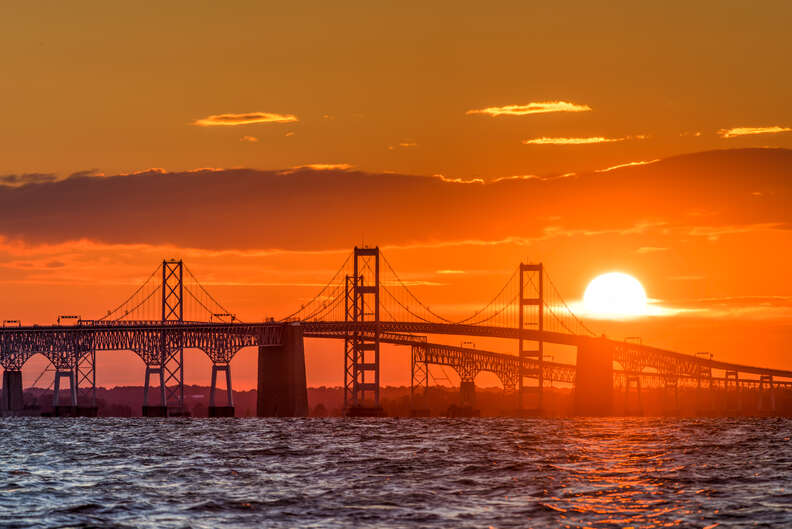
column 12, row 400
column 467, row 393
column 594, row 379
column 282, row 389
column 214, row 409
column 155, row 411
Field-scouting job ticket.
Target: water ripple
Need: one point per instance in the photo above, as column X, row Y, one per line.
column 395, row 472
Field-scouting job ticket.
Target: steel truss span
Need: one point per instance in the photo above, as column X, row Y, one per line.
column 63, row 346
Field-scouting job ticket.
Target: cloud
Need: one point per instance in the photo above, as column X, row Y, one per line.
column 249, row 139
column 14, row 180
column 650, row 249
column 86, row 173
column 518, row 177
column 325, row 166
column 628, row 164
column 407, row 144
column 570, row 141
column 450, row 272
column 713, row 233
column 531, row 108
column 248, row 118
column 444, row 178
column 742, row 307
column 747, row 131
column 330, row 206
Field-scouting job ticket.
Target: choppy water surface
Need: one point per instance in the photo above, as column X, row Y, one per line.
column 395, row 472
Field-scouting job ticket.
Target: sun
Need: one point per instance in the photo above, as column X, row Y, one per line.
column 615, row 295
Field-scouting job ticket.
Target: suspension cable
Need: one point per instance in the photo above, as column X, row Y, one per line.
column 317, row 296
column 574, row 316
column 133, row 309
column 403, row 285
column 492, row 301
column 135, row 293
column 224, row 310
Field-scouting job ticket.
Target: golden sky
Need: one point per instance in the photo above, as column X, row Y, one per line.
column 471, row 135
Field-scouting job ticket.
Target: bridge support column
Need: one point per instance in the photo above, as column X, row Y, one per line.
column 282, row 390
column 12, row 392
column 732, row 403
column 162, row 409
column 633, row 380
column 767, row 401
column 594, row 379
column 228, row 409
column 467, row 393
column 69, row 409
column 671, row 395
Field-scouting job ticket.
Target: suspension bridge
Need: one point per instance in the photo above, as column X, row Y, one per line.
column 366, row 304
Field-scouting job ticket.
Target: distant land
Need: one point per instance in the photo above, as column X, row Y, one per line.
column 125, row 401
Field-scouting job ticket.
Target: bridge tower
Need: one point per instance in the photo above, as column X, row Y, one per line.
column 169, row 361
column 531, row 380
column 362, row 349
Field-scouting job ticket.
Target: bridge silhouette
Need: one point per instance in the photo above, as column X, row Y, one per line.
column 366, row 303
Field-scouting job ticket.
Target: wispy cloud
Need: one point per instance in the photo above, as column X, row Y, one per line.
column 628, row 164
column 406, row 144
column 249, row 139
column 248, row 118
column 450, row 272
column 325, row 166
column 654, row 308
column 444, row 178
column 650, row 249
column 531, row 108
column 743, row 307
column 713, row 233
column 747, row 131
column 15, row 180
column 570, row 141
column 531, row 177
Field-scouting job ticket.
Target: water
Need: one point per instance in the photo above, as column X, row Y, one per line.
column 395, row 473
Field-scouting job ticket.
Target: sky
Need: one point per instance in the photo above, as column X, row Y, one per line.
column 261, row 142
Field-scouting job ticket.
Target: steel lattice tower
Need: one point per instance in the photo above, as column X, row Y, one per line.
column 362, row 352
column 172, row 350
column 168, row 362
column 533, row 274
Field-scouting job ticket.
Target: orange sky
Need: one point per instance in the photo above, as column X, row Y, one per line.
column 471, row 137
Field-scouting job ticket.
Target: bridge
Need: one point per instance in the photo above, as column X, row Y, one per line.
column 365, row 304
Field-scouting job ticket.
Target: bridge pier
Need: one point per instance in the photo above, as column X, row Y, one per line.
column 594, row 379
column 12, row 399
column 467, row 393
column 671, row 395
column 162, row 409
column 69, row 409
column 767, row 400
column 628, row 409
column 282, row 389
column 214, row 409
column 732, row 403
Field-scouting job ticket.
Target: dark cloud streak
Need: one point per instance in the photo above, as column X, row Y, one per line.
column 308, row 209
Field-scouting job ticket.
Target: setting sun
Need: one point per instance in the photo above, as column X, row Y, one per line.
column 615, row 295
